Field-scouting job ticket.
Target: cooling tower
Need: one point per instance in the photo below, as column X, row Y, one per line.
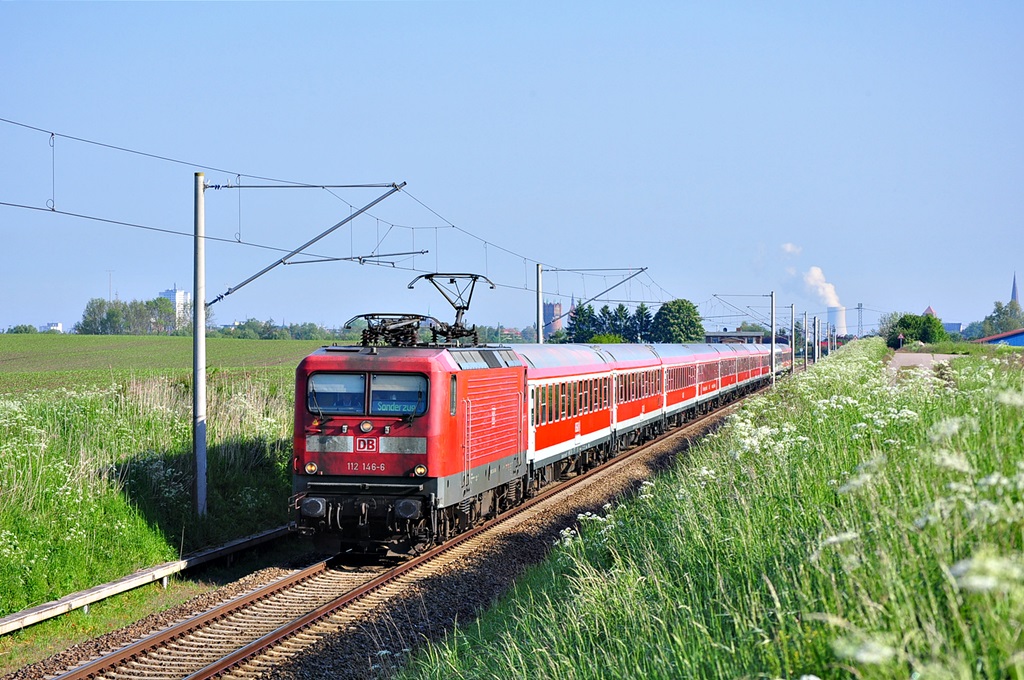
column 837, row 318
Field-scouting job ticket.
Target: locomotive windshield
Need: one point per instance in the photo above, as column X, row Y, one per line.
column 398, row 395
column 336, row 393
column 345, row 394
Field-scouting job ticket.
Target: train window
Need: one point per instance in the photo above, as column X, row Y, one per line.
column 398, row 394
column 336, row 393
column 453, row 395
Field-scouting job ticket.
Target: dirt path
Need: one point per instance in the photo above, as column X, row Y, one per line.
column 901, row 360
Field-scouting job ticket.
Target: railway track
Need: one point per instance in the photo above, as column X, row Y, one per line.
column 257, row 632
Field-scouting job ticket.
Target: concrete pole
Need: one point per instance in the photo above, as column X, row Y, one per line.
column 540, row 306
column 773, row 336
column 792, row 337
column 817, row 339
column 814, row 338
column 805, row 339
column 199, row 351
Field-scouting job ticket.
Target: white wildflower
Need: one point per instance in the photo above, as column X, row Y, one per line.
column 994, row 481
column 986, row 573
column 866, row 650
column 855, row 483
column 950, row 427
column 952, row 461
column 838, row 539
column 1011, row 398
column 961, row 489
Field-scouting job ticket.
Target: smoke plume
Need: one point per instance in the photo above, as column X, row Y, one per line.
column 826, row 292
column 815, row 281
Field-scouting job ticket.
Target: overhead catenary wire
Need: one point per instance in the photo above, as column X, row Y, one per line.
column 277, row 183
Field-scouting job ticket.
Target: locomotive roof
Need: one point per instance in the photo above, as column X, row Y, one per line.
column 384, row 351
column 450, row 357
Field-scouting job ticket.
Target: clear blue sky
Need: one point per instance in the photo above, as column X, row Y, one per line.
column 730, row 148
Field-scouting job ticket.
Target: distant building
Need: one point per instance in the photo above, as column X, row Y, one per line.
column 181, row 300
column 837, row 319
column 52, row 326
column 513, row 334
column 1013, row 291
column 552, row 318
column 1015, row 338
column 725, row 336
column 952, row 327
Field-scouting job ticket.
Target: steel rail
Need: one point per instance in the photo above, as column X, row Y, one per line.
column 96, row 667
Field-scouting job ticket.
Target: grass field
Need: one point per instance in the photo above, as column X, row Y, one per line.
column 43, row 360
column 851, row 523
column 95, row 435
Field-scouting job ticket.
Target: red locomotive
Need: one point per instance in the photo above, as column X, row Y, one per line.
column 399, row 447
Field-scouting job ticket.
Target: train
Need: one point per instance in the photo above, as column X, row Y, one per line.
column 398, row 448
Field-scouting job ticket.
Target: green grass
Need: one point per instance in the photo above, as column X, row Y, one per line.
column 968, row 348
column 43, row 360
column 97, row 475
column 45, row 639
column 840, row 526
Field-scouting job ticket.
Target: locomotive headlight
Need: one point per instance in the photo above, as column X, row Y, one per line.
column 365, row 426
column 311, row 468
column 420, row 470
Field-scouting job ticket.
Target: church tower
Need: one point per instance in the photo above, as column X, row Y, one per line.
column 1013, row 291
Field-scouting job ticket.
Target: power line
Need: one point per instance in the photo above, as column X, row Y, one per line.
column 279, row 183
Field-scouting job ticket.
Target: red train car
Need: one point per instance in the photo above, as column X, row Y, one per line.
column 399, row 447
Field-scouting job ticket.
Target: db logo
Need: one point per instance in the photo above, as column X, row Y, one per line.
column 366, row 445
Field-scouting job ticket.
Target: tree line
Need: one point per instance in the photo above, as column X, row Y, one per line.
column 928, row 329
column 675, row 321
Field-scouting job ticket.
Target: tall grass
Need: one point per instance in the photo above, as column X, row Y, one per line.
column 850, row 523
column 97, row 482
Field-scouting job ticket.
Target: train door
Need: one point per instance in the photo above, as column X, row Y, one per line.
column 613, row 400
column 531, row 425
column 466, row 427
